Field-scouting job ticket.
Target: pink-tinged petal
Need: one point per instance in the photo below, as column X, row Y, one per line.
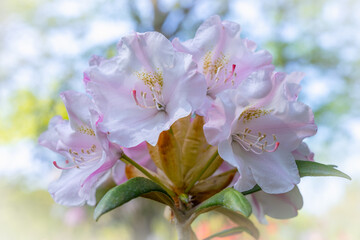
column 139, row 153
column 292, row 87
column 264, row 131
column 144, row 89
column 252, row 62
column 206, row 37
column 95, row 178
column 77, row 105
column 257, row 209
column 225, row 151
column 279, row 206
column 96, row 60
column 303, row 153
column 65, row 190
column 191, row 90
column 118, row 172
column 86, row 78
column 148, row 50
column 245, row 180
column 219, row 118
column 265, row 166
column 298, row 118
column 70, row 139
column 130, row 134
column 222, row 56
column 49, row 138
column 257, row 85
column 89, row 155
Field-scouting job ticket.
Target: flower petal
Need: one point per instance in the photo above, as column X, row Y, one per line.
column 144, row 89
column 265, row 166
column 77, row 105
column 279, row 206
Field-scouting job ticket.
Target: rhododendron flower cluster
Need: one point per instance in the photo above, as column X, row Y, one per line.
column 194, row 117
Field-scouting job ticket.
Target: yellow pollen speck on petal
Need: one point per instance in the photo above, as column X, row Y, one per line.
column 207, row 62
column 86, row 130
column 153, row 80
column 249, row 114
column 212, row 66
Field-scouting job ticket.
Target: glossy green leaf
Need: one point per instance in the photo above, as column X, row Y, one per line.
column 228, row 198
column 127, row 191
column 308, row 168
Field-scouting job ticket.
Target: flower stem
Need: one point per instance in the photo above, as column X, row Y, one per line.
column 192, row 183
column 185, row 232
column 146, row 173
column 256, row 188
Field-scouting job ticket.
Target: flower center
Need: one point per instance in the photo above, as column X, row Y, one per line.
column 255, row 143
column 153, row 98
column 81, row 158
column 217, row 73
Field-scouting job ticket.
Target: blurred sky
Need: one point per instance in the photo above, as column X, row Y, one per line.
column 45, row 46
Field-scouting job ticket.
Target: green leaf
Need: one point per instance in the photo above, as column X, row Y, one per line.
column 228, row 198
column 127, row 191
column 308, row 168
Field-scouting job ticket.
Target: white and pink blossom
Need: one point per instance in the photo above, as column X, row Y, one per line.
column 144, row 89
column 89, row 156
column 256, row 131
column 223, row 56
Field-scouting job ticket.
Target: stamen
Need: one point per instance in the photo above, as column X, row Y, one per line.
column 62, row 168
column 81, row 158
column 155, row 94
column 231, row 73
column 275, row 148
column 254, row 143
column 135, row 98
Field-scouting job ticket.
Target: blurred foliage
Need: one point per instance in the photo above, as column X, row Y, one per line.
column 29, row 116
column 35, row 213
column 39, row 218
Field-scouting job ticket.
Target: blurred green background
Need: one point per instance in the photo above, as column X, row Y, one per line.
column 45, row 46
